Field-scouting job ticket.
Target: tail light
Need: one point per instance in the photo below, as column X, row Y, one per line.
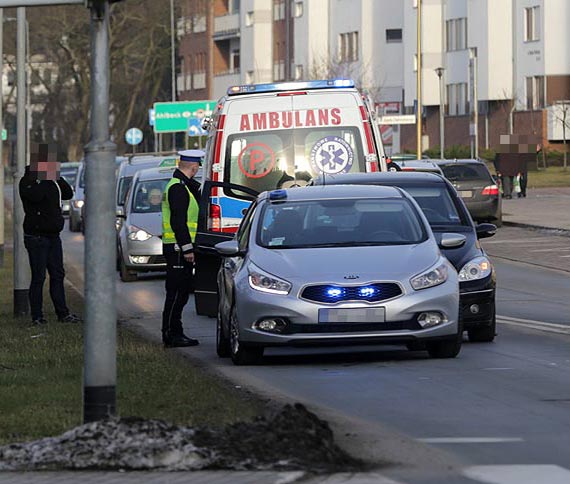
column 490, row 190
column 367, row 130
column 215, row 218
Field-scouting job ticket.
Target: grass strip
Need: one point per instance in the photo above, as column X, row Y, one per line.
column 41, row 377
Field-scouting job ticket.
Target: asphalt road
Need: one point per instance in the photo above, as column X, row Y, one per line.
column 505, row 403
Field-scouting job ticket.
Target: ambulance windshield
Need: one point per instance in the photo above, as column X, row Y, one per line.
column 274, row 159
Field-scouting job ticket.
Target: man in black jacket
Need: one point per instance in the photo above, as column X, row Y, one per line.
column 42, row 190
column 179, row 223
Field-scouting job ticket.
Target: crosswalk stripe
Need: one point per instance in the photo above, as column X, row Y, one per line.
column 538, row 325
column 469, row 440
column 518, row 474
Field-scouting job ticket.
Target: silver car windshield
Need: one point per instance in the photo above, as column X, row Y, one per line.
column 147, row 196
column 338, row 223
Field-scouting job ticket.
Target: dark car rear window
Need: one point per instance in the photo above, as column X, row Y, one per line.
column 465, row 171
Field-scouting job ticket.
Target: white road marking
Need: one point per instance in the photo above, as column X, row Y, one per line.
column 518, row 474
column 550, row 250
column 469, row 440
column 515, row 241
column 497, row 369
column 564, row 256
column 538, row 325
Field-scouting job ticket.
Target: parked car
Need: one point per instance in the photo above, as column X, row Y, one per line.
column 336, row 265
column 446, row 212
column 69, row 172
column 140, row 236
column 427, row 166
column 78, row 200
column 476, row 186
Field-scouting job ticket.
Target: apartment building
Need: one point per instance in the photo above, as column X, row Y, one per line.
column 523, row 68
column 521, row 46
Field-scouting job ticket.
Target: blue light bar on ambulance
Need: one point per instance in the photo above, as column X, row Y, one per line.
column 289, row 86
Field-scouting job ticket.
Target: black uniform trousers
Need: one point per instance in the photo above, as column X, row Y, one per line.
column 179, row 285
column 46, row 254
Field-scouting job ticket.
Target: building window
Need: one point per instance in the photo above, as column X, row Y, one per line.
column 298, row 12
column 531, row 24
column 199, row 23
column 249, row 18
column 535, row 92
column 249, row 77
column 299, row 72
column 456, row 34
column 233, row 6
column 278, row 10
column 235, row 60
column 348, row 47
column 457, row 101
column 279, row 70
column 393, row 36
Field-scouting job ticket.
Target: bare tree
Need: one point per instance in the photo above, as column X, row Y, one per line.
column 562, row 115
column 140, row 69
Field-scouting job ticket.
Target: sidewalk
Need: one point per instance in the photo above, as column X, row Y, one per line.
column 542, row 208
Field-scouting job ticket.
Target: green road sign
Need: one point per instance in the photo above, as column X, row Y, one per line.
column 4, row 135
column 174, row 117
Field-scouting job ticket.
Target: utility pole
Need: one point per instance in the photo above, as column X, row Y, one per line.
column 21, row 272
column 419, row 81
column 474, row 104
column 100, row 347
column 1, row 141
column 439, row 72
column 173, row 63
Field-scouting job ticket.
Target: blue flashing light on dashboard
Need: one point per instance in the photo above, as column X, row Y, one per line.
column 290, row 86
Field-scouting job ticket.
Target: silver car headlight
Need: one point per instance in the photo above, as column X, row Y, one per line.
column 265, row 282
column 138, row 234
column 430, row 278
column 477, row 268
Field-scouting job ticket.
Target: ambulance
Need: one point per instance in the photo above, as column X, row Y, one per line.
column 269, row 136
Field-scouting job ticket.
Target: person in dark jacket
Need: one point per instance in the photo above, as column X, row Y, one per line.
column 41, row 190
column 179, row 223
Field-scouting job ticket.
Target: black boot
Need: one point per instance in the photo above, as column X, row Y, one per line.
column 179, row 341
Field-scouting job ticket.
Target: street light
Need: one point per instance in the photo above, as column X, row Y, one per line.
column 439, row 71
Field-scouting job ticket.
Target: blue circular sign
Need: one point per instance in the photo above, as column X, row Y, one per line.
column 332, row 155
column 134, row 136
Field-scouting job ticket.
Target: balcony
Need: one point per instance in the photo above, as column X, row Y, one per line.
column 226, row 27
column 223, row 80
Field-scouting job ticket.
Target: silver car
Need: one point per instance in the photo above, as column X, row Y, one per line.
column 336, row 265
column 140, row 235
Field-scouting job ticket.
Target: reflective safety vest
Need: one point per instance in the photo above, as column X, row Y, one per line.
column 168, row 236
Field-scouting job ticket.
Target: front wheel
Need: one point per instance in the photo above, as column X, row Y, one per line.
column 239, row 352
column 222, row 341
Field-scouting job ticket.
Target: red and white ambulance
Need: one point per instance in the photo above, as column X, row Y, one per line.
column 270, row 136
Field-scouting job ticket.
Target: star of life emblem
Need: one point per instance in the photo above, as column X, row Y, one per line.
column 332, row 155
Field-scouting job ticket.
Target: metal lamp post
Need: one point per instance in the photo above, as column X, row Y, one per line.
column 439, row 71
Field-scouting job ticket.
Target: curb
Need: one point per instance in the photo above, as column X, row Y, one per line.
column 542, row 228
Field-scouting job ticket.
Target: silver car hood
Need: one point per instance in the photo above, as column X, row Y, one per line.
column 150, row 222
column 348, row 264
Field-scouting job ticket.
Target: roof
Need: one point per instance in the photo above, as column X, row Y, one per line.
column 155, row 173
column 338, row 191
column 458, row 160
column 392, row 178
column 127, row 168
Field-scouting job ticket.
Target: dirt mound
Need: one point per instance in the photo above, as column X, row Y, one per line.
column 292, row 438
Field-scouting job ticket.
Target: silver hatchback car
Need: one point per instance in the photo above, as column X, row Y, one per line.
column 336, row 265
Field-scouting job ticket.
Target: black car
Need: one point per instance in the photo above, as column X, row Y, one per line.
column 476, row 186
column 446, row 212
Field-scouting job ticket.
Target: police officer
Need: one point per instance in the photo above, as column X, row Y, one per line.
column 179, row 223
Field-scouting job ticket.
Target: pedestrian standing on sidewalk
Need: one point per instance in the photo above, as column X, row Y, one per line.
column 179, row 223
column 42, row 190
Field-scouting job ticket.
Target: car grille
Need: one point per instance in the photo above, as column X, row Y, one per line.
column 328, row 293
column 411, row 325
column 157, row 259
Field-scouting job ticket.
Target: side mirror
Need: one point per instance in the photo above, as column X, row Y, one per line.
column 485, row 231
column 229, row 248
column 120, row 213
column 452, row 241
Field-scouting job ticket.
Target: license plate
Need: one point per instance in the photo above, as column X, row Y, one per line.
column 465, row 193
column 352, row 315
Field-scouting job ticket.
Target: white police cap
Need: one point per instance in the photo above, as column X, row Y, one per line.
column 191, row 156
